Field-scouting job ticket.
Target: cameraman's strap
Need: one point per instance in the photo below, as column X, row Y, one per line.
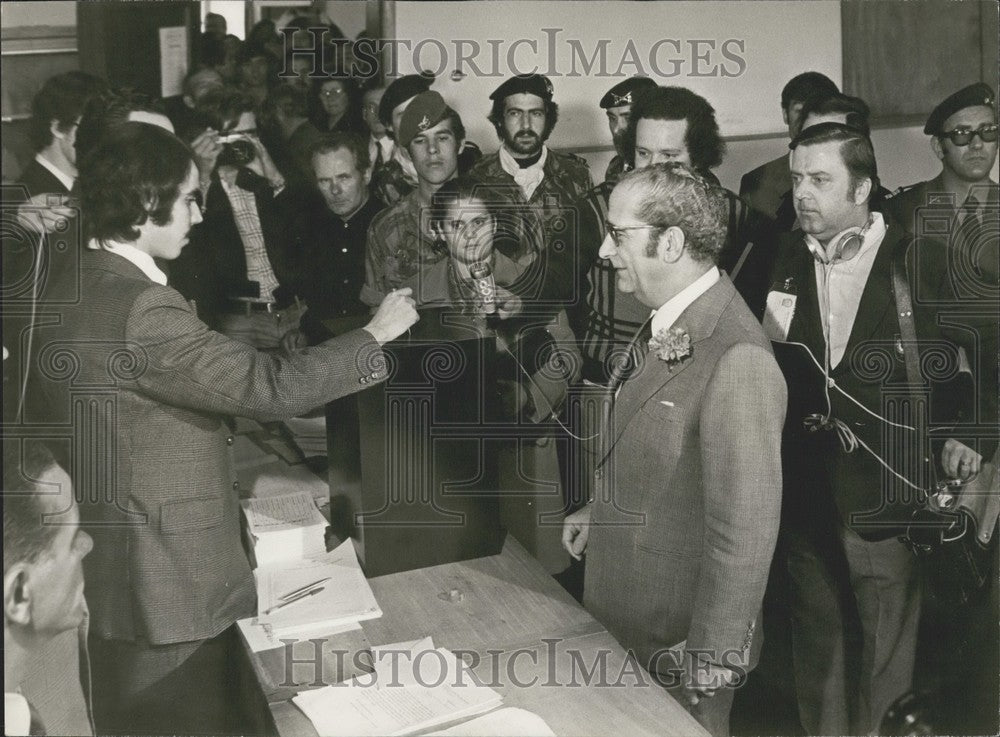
column 904, row 310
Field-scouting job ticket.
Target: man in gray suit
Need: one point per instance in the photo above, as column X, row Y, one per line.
column 142, row 390
column 680, row 534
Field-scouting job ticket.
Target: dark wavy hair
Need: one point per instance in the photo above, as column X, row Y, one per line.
column 109, row 111
column 703, row 140
column 62, row 99
column 803, row 86
column 856, row 150
column 132, row 175
column 551, row 117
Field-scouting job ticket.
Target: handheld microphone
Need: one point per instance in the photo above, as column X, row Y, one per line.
column 482, row 277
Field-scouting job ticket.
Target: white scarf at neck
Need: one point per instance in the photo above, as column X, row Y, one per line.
column 527, row 178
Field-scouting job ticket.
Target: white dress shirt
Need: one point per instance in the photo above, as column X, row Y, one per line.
column 16, row 715
column 665, row 317
column 130, row 253
column 839, row 286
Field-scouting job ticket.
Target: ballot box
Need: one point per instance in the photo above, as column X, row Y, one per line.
column 413, row 467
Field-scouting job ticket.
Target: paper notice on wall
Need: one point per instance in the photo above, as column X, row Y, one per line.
column 173, row 60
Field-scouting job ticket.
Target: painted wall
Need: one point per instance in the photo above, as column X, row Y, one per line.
column 780, row 39
column 737, row 54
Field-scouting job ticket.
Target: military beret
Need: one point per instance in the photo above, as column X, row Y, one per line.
column 530, row 84
column 623, row 93
column 975, row 94
column 399, row 91
column 425, row 111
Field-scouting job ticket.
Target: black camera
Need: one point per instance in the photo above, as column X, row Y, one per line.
column 236, row 151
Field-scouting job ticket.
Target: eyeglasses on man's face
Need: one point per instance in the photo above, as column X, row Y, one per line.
column 616, row 231
column 333, row 92
column 963, row 136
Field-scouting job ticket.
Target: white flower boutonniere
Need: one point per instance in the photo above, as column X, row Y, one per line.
column 671, row 346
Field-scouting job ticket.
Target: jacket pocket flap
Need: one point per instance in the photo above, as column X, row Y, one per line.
column 185, row 515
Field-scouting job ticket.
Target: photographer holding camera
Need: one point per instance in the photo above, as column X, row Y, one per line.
column 243, row 247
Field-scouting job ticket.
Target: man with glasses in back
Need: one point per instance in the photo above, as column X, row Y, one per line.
column 963, row 130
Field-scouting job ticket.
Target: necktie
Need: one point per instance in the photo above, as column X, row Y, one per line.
column 625, row 362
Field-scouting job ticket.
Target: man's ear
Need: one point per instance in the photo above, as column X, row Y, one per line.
column 937, row 148
column 670, row 245
column 188, row 101
column 367, row 176
column 54, row 129
column 862, row 191
column 16, row 598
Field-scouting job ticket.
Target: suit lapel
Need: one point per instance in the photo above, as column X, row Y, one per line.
column 699, row 319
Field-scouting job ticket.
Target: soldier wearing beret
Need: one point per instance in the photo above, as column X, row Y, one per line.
column 527, row 176
column 617, row 104
column 400, row 250
column 963, row 130
column 394, row 179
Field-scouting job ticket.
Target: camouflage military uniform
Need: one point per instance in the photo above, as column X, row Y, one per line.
column 548, row 212
column 391, row 183
column 399, row 253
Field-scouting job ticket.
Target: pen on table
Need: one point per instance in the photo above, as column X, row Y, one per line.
column 300, row 597
column 302, row 589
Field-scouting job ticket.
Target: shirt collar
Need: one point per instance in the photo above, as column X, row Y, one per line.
column 17, row 714
column 874, row 233
column 66, row 180
column 665, row 317
column 142, row 260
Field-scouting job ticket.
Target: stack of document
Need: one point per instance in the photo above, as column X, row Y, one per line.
column 284, row 528
column 309, row 434
column 324, row 591
column 415, row 687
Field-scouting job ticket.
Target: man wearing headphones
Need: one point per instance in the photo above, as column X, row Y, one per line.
column 851, row 457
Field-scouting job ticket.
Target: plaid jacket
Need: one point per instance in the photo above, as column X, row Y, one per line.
column 140, row 390
column 606, row 319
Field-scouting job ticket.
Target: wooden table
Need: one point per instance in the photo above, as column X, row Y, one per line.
column 524, row 636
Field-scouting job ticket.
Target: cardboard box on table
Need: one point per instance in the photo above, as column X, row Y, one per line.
column 413, row 473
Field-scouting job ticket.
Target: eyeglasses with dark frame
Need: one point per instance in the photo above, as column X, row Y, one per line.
column 987, row 133
column 616, row 231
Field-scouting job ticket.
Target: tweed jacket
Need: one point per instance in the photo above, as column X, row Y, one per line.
column 688, row 496
column 140, row 390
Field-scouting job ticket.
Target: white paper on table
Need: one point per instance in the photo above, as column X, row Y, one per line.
column 345, row 597
column 507, row 722
column 260, row 638
column 173, row 60
column 357, row 708
column 394, row 663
